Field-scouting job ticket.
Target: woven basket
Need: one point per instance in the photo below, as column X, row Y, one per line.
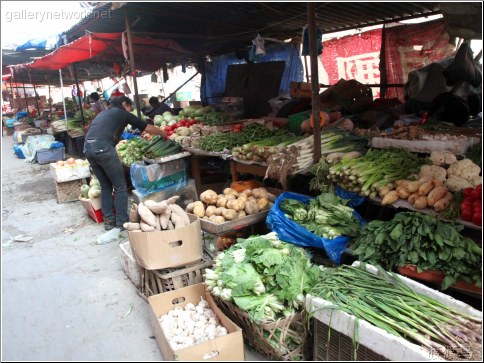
column 68, row 191
column 258, row 335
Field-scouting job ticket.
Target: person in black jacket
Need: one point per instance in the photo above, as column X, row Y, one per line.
column 99, row 148
column 158, row 107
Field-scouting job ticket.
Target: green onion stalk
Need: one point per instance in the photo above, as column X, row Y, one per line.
column 386, row 302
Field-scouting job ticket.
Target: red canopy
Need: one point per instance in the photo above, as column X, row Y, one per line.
column 149, row 53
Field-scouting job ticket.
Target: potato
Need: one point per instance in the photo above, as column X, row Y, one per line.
column 155, row 207
column 384, row 191
column 390, row 198
column 252, row 199
column 231, row 191
column 425, row 188
column 251, row 208
column 230, row 197
column 218, row 211
column 438, row 183
column 436, row 194
column 209, row 197
column 189, row 208
column 241, row 214
column 221, row 201
column 263, row 203
column 412, row 187
column 403, row 192
column 243, row 197
column 218, row 219
column 247, row 192
column 147, row 216
column 236, row 205
column 134, row 216
column 129, row 226
column 402, row 182
column 421, row 202
column 229, row 214
column 413, row 197
column 199, row 209
column 441, row 204
column 205, row 218
column 146, row 228
column 210, row 211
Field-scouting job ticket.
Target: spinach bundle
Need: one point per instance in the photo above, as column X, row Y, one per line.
column 422, row 240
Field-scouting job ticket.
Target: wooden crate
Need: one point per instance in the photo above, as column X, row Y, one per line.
column 155, row 282
column 68, row 191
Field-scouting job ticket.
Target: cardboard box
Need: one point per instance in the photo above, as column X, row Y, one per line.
column 166, row 249
column 300, row 90
column 93, row 208
column 69, row 172
column 229, row 347
column 130, row 267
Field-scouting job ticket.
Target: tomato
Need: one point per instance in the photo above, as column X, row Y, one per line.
column 477, row 219
column 467, row 192
column 479, row 187
column 467, row 203
column 466, row 214
column 476, row 194
column 467, row 200
column 477, row 202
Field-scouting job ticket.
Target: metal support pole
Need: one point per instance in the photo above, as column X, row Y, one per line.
column 306, row 68
column 12, row 102
column 62, row 94
column 25, row 96
column 175, row 91
column 50, row 104
column 314, row 81
column 132, row 63
column 36, row 101
column 79, row 95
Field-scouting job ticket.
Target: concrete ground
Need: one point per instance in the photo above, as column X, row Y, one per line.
column 64, row 298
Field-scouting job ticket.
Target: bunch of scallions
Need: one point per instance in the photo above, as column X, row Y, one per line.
column 299, row 157
column 386, row 302
column 368, row 174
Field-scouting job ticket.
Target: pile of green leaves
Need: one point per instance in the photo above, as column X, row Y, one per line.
column 227, row 141
column 475, row 153
column 327, row 215
column 264, row 276
column 216, row 118
column 424, row 241
column 132, row 150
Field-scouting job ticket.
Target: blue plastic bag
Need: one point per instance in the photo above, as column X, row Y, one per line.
column 57, row 145
column 354, row 198
column 151, row 178
column 18, row 151
column 289, row 231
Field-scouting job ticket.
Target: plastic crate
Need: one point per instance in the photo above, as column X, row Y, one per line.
column 68, row 191
column 330, row 345
column 155, row 282
column 295, row 121
column 47, row 156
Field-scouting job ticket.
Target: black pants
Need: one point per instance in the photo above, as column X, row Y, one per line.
column 109, row 171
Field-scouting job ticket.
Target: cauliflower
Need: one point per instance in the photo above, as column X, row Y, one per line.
column 440, row 158
column 476, row 181
column 464, row 169
column 455, row 184
column 433, row 172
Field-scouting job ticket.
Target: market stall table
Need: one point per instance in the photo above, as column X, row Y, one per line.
column 250, row 167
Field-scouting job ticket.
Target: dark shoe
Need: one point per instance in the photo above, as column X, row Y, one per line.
column 108, row 225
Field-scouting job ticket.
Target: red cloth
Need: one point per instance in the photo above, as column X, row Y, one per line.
column 117, row 93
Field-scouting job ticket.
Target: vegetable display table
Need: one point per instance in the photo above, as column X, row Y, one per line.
column 235, row 225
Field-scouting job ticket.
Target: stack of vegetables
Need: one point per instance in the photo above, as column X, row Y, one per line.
column 264, row 276
column 369, row 174
column 471, row 205
column 91, row 191
column 386, row 302
column 151, row 216
column 261, row 150
column 220, row 142
column 159, row 147
column 424, row 241
column 191, row 325
column 216, row 118
column 130, row 151
column 298, row 157
column 326, row 216
column 231, row 205
column 192, row 137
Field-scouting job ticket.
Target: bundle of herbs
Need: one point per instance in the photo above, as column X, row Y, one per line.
column 327, row 215
column 385, row 301
column 424, row 241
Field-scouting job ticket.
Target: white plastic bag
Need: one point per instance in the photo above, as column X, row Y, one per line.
column 108, row 236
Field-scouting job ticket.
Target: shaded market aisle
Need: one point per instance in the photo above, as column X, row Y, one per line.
column 63, row 296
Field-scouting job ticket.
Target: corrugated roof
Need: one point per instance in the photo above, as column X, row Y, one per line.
column 213, row 28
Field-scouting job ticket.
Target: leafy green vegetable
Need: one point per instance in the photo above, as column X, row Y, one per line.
column 422, row 240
